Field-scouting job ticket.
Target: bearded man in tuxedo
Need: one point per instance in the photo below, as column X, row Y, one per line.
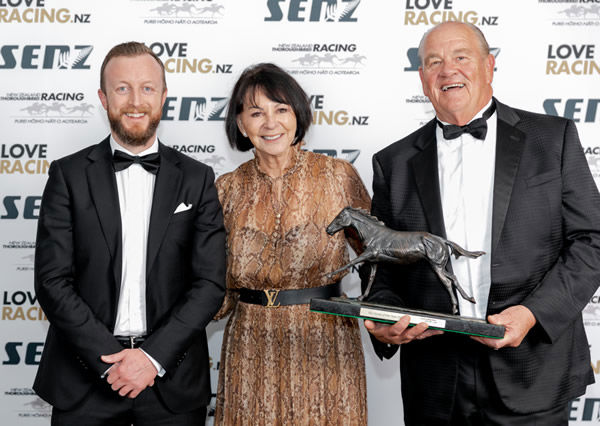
column 129, row 265
column 516, row 185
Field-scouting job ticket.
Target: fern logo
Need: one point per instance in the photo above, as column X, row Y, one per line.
column 195, row 109
column 67, row 60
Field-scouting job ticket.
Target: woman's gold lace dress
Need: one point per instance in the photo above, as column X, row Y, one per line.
column 286, row 365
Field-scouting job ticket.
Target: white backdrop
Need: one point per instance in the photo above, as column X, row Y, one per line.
column 357, row 59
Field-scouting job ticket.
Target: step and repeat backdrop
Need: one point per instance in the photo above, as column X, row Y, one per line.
column 356, row 59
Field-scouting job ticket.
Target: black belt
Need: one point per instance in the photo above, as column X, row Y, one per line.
column 131, row 342
column 275, row 298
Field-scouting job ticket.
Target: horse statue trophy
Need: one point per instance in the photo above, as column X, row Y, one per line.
column 382, row 244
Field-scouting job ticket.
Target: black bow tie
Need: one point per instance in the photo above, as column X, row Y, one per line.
column 477, row 128
column 150, row 162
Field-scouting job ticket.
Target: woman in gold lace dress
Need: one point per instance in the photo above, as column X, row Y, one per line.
column 280, row 363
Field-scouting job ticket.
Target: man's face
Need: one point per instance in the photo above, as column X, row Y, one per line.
column 134, row 98
column 456, row 75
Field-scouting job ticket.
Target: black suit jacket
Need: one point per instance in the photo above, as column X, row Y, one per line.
column 545, row 255
column 78, row 275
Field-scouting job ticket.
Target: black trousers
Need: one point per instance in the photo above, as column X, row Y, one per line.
column 103, row 406
column 477, row 402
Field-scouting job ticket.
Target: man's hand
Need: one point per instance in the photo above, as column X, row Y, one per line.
column 399, row 333
column 517, row 320
column 130, row 373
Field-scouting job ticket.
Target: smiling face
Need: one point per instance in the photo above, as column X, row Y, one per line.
column 270, row 125
column 134, row 97
column 456, row 74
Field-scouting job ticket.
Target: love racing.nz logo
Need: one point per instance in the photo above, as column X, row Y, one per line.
column 330, row 117
column 175, row 58
column 431, row 12
column 36, row 12
column 312, row 10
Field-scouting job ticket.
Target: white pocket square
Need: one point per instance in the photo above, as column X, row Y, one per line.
column 182, row 207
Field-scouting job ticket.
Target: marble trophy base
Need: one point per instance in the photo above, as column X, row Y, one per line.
column 391, row 314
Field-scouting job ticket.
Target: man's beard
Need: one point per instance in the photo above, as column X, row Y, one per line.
column 133, row 137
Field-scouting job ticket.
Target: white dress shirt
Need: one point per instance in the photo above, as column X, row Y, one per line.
column 136, row 188
column 466, row 172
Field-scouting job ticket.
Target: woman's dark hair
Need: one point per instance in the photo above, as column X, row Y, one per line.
column 278, row 86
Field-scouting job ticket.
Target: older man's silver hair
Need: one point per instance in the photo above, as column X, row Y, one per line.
column 483, row 44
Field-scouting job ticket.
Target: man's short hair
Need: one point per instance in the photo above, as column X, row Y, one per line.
column 483, row 44
column 130, row 48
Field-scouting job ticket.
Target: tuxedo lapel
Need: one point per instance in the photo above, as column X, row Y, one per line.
column 425, row 170
column 166, row 191
column 103, row 189
column 509, row 148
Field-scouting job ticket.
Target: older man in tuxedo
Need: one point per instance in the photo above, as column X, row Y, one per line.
column 516, row 185
column 130, row 265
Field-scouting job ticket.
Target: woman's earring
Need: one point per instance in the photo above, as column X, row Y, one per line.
column 240, row 127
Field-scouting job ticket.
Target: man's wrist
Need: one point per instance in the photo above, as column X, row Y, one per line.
column 160, row 370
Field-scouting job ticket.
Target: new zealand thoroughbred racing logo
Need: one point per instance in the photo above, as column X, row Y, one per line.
column 59, row 109
column 331, row 60
column 34, row 408
column 62, row 110
column 594, row 164
column 591, row 12
column 187, row 9
column 322, row 58
column 591, row 313
column 578, row 15
column 215, row 161
column 184, row 13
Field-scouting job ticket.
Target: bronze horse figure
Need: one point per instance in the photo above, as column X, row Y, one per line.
column 382, row 244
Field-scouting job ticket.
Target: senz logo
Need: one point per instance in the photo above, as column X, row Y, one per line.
column 194, row 108
column 313, row 10
column 575, row 109
column 30, row 207
column 16, row 350
column 584, row 409
column 45, row 57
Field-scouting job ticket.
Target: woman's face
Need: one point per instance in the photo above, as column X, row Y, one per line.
column 270, row 125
